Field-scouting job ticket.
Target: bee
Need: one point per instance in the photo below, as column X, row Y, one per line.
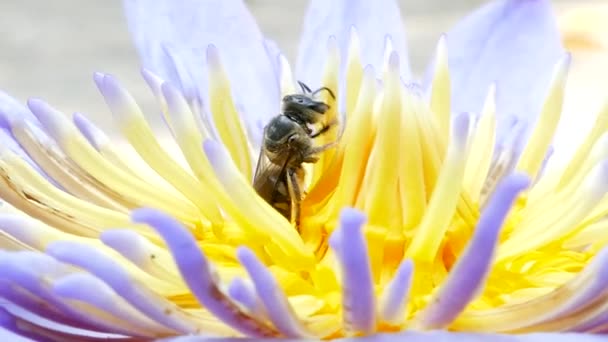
column 287, row 144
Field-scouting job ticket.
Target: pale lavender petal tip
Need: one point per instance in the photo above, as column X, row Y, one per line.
column 151, row 79
column 467, row 276
column 98, row 78
column 197, row 273
column 53, row 121
column 41, row 110
column 171, row 94
column 449, row 336
column 25, row 268
column 11, row 109
column 393, row 60
column 92, row 133
column 591, row 293
column 36, row 306
column 214, row 151
column 128, row 243
column 119, row 280
column 394, row 300
column 275, row 302
column 357, row 294
column 461, row 127
column 240, row 291
column 10, row 329
column 113, row 93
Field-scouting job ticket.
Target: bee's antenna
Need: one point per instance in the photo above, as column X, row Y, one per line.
column 305, row 88
column 331, row 93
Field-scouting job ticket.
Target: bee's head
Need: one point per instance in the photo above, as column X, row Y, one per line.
column 304, row 108
column 302, row 102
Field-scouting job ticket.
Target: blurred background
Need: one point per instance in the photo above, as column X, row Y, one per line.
column 50, row 49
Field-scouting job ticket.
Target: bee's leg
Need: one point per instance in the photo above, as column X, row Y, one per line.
column 324, row 129
column 316, row 150
column 321, row 131
column 296, row 197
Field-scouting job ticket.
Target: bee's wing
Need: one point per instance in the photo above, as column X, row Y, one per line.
column 267, row 175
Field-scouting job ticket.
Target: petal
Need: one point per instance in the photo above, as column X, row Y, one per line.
column 373, row 20
column 12, row 111
column 114, row 277
column 13, row 329
column 14, row 295
column 446, row 336
column 28, row 270
column 199, row 274
column 172, row 38
column 394, row 297
column 26, row 324
column 510, row 42
column 357, row 289
column 279, row 311
column 468, row 275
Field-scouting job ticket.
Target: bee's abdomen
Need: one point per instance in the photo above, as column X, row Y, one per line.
column 281, row 200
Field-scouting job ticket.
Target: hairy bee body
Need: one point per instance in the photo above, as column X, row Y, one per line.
column 287, row 144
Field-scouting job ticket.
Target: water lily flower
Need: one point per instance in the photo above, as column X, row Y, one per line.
column 435, row 212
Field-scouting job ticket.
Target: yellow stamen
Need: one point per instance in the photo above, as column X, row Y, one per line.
column 440, row 95
column 382, row 178
column 411, row 169
column 533, row 155
column 225, row 115
column 443, row 201
column 480, row 157
column 354, row 73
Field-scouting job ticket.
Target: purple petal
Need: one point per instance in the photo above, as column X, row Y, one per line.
column 92, row 133
column 34, row 304
column 447, row 336
column 25, row 269
column 172, row 38
column 25, row 323
column 53, row 121
column 279, row 311
column 149, row 303
column 86, row 288
column 140, row 251
column 468, row 275
column 374, row 21
column 12, row 111
column 11, row 330
column 511, row 42
column 357, row 288
column 129, row 244
column 116, row 96
column 395, row 297
column 591, row 291
column 197, row 273
column 245, row 294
